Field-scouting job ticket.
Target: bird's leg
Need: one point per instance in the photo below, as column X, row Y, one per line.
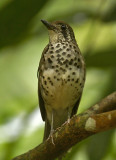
column 68, row 115
column 52, row 128
column 52, row 122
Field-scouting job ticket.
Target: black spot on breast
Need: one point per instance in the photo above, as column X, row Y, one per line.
column 49, row 60
column 77, row 80
column 57, row 51
column 63, row 53
column 58, row 45
column 51, row 83
column 56, row 66
column 64, row 47
column 58, row 55
column 52, row 47
column 62, row 58
column 78, row 59
column 61, row 68
column 58, row 59
column 68, row 55
column 71, row 62
column 78, row 66
column 75, row 64
column 56, row 70
column 61, row 63
column 52, row 56
column 66, row 44
column 45, row 82
column 68, row 49
column 54, row 77
column 51, row 52
column 66, row 65
column 66, row 61
column 73, row 73
column 72, row 79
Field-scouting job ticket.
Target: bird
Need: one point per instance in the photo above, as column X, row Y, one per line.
column 61, row 76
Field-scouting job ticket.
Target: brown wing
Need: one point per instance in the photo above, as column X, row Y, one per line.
column 41, row 101
column 75, row 108
column 41, row 104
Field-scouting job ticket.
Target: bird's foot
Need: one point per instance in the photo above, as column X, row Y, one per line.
column 68, row 121
column 51, row 137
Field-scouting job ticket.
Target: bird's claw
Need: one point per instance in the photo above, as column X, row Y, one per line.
column 51, row 137
column 68, row 121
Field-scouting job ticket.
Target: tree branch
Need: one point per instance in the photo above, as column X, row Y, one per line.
column 98, row 118
column 105, row 105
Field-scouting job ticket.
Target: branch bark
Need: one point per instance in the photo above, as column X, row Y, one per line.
column 98, row 118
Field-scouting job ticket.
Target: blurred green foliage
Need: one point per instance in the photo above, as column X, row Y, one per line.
column 22, row 39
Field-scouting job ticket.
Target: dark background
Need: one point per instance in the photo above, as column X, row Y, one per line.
column 22, row 39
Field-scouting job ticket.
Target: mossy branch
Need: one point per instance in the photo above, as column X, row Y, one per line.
column 98, row 118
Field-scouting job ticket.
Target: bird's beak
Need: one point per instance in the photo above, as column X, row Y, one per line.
column 48, row 25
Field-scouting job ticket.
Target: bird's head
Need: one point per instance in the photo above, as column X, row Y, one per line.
column 59, row 31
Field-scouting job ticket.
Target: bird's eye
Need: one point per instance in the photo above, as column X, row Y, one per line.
column 63, row 27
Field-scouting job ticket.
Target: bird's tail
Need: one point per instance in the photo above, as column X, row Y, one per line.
column 46, row 130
